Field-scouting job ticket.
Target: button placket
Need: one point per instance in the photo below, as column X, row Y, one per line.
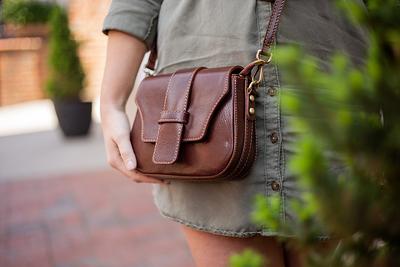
column 271, row 91
column 276, row 186
column 271, row 113
column 274, row 137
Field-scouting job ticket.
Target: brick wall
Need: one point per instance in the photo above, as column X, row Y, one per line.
column 23, row 71
column 86, row 19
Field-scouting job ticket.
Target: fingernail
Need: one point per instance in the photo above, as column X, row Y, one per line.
column 130, row 165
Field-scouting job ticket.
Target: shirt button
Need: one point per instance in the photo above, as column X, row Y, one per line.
column 275, row 186
column 274, row 137
column 271, row 91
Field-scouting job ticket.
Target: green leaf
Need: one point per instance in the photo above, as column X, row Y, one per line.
column 247, row 258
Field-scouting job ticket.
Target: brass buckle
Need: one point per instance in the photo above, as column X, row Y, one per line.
column 258, row 75
column 256, row 78
column 261, row 54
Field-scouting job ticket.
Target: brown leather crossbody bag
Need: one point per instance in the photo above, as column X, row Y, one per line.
column 198, row 124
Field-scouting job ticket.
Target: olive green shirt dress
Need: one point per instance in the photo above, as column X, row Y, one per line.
column 214, row 33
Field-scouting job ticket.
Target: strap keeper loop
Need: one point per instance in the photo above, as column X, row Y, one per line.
column 174, row 117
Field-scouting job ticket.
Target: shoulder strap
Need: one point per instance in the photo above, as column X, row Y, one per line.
column 269, row 37
column 273, row 24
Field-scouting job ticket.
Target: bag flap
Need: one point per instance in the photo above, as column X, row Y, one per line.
column 208, row 89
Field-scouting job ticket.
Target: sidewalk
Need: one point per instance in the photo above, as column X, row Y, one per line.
column 43, row 153
column 94, row 219
column 62, row 206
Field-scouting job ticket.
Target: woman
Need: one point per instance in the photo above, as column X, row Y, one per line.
column 216, row 217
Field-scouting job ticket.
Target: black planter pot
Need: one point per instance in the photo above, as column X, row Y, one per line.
column 74, row 116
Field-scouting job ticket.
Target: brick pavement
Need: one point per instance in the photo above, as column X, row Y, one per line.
column 94, row 219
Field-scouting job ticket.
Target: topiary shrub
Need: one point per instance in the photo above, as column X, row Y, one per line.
column 23, row 12
column 66, row 76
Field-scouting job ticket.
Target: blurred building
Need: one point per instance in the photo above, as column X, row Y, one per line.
column 23, row 53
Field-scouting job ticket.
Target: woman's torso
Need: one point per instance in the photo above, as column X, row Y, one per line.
column 229, row 32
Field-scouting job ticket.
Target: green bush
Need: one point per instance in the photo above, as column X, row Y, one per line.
column 66, row 77
column 248, row 258
column 22, row 12
column 359, row 108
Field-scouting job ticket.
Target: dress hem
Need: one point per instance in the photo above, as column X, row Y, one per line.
column 229, row 233
column 218, row 231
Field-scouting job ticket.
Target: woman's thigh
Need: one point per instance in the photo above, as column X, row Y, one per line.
column 215, row 250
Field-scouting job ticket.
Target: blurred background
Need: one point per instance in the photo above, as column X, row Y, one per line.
column 60, row 203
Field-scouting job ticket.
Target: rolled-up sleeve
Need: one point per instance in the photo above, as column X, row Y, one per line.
column 135, row 17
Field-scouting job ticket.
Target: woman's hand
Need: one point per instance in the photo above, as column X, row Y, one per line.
column 124, row 56
column 120, row 155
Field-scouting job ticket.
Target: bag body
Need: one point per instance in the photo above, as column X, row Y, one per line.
column 198, row 124
column 195, row 124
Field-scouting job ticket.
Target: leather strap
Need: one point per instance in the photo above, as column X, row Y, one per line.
column 173, row 117
column 151, row 62
column 269, row 37
column 273, row 24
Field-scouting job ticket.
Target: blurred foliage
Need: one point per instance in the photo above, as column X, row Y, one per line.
column 66, row 77
column 22, row 12
column 247, row 258
column 358, row 110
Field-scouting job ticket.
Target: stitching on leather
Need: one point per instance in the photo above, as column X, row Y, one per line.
column 248, row 153
column 173, row 111
column 141, row 118
column 180, row 126
column 168, row 88
column 212, row 110
column 278, row 17
column 196, row 138
column 234, row 96
column 172, row 120
column 167, row 116
column 273, row 23
column 234, row 110
column 141, row 114
column 247, row 133
column 236, row 118
column 155, row 154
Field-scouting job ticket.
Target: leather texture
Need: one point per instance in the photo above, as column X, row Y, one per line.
column 273, row 24
column 198, row 124
column 194, row 125
column 173, row 117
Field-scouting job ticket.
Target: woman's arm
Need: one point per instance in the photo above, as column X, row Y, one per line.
column 124, row 56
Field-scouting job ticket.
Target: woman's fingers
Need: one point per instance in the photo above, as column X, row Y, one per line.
column 113, row 157
column 116, row 161
column 120, row 154
column 125, row 150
